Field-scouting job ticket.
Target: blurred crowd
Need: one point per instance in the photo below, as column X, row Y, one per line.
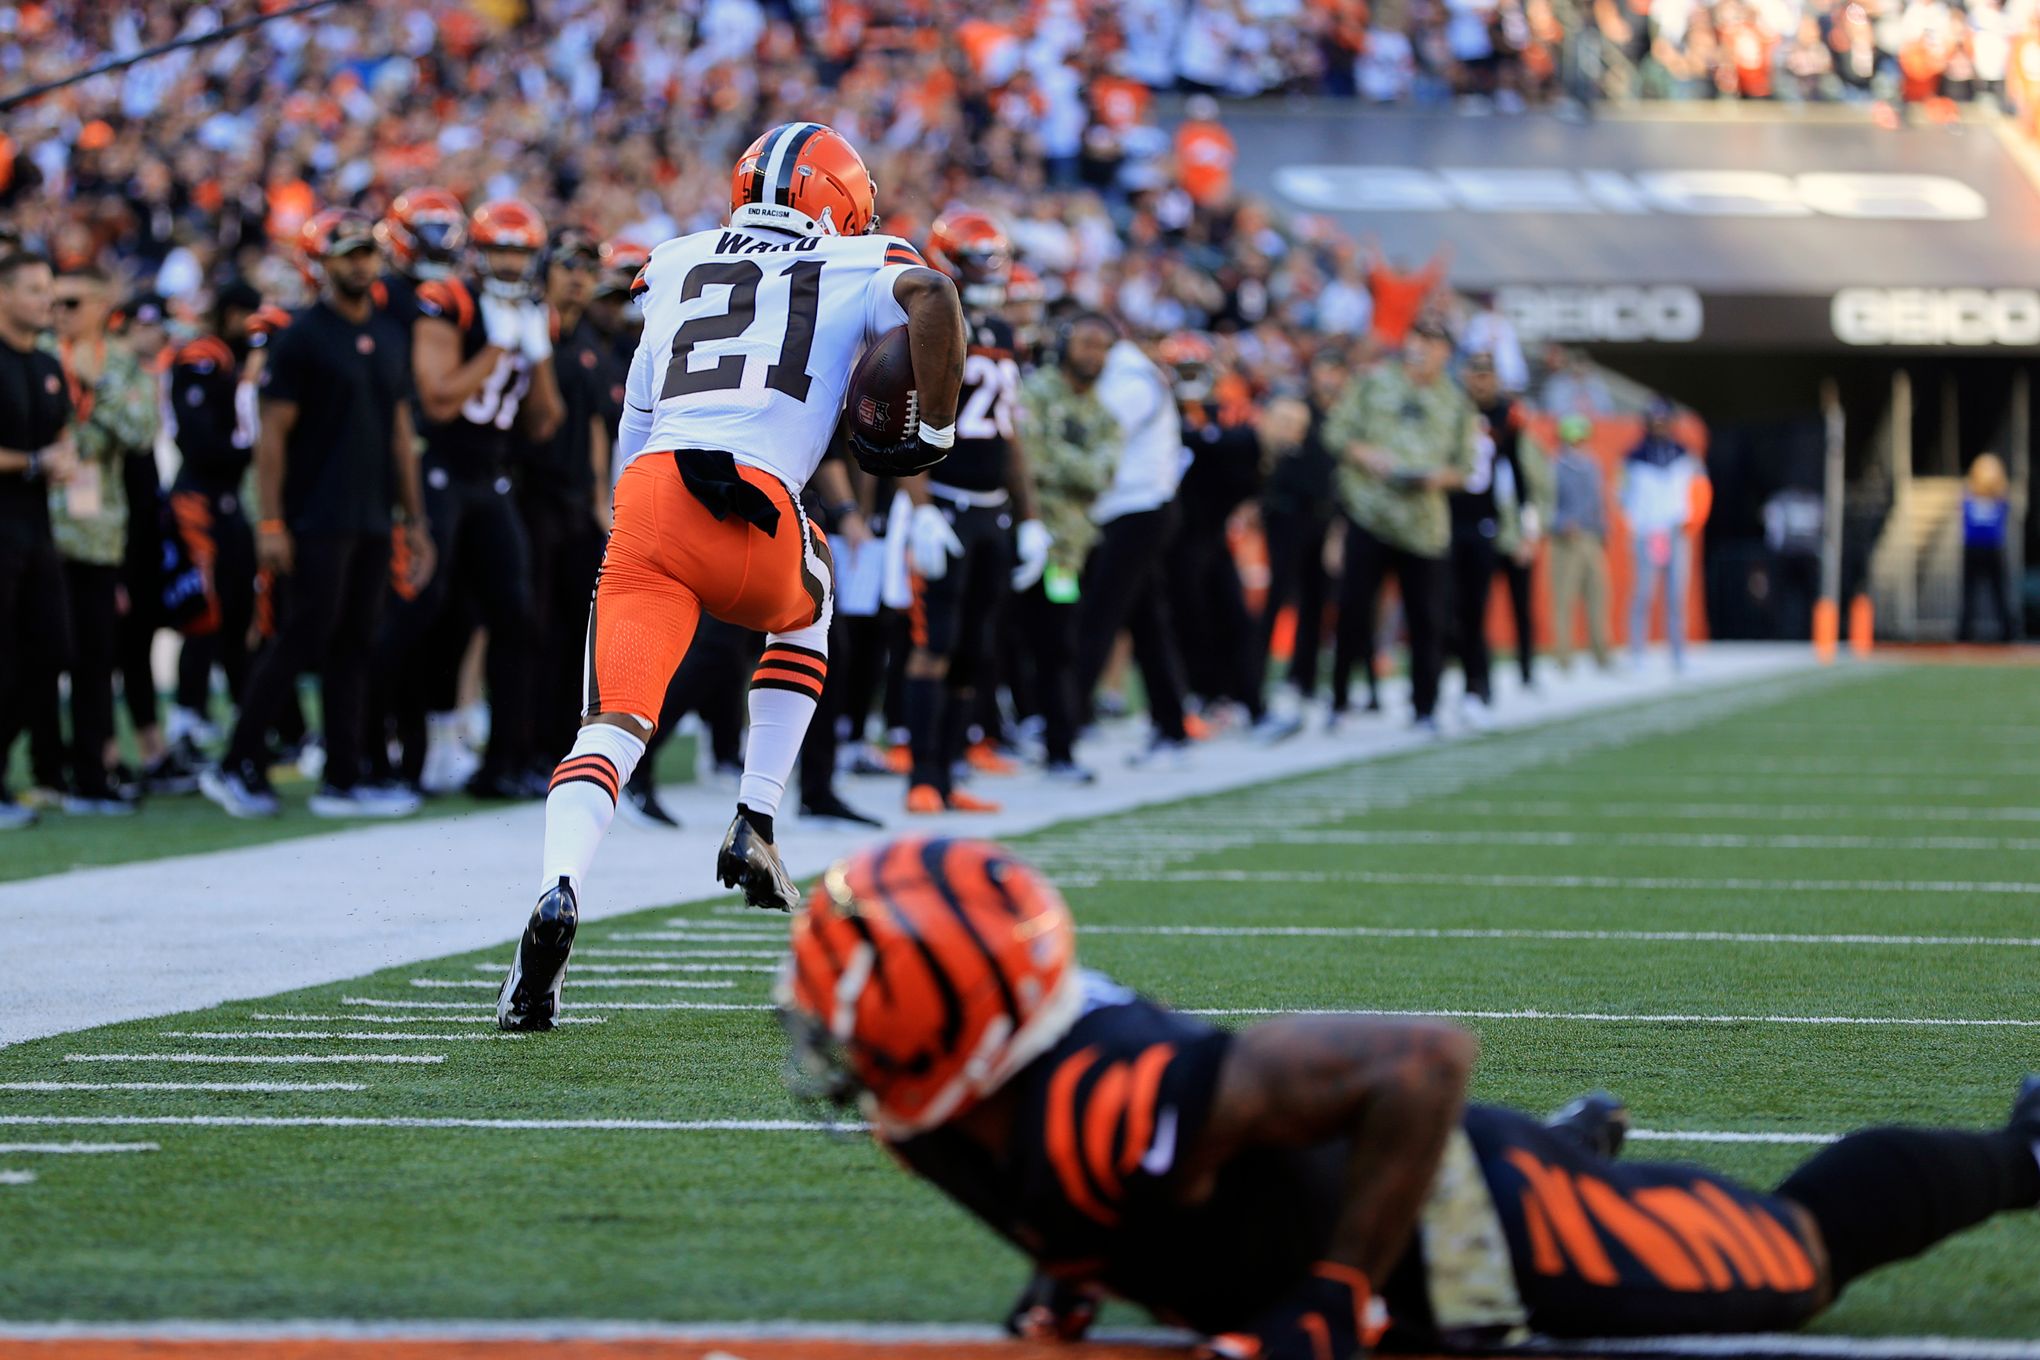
column 170, row 201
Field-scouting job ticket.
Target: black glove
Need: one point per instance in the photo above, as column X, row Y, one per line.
column 1049, row 1309
column 1324, row 1318
column 903, row 458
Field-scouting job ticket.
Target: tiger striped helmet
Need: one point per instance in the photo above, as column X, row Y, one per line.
column 925, row 973
column 805, row 178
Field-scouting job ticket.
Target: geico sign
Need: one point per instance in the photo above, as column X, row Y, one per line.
column 1668, row 314
column 1937, row 316
column 1695, row 193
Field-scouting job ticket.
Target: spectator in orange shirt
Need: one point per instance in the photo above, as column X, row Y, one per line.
column 1205, row 153
column 1400, row 296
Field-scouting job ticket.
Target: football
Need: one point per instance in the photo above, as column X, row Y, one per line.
column 882, row 403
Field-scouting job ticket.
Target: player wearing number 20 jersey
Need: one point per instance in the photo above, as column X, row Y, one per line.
column 734, row 395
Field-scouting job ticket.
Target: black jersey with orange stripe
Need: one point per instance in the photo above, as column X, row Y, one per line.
column 984, row 409
column 476, row 443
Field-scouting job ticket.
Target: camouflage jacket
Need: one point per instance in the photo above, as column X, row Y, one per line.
column 1072, row 443
column 1422, row 429
column 119, row 415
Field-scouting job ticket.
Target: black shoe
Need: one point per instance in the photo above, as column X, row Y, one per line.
column 640, row 806
column 530, row 999
column 242, row 788
column 501, row 786
column 175, row 772
column 834, row 809
column 747, row 860
column 1597, row 1121
column 2026, row 1109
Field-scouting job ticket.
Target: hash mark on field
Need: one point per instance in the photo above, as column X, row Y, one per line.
column 17, row 1178
column 1389, row 878
column 592, row 982
column 1604, row 1017
column 1590, row 936
column 77, row 1149
column 272, row 1059
column 488, row 1019
column 324, row 1037
column 182, row 1086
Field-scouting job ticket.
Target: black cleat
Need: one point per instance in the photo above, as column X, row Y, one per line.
column 747, row 860
column 530, row 999
column 1597, row 1121
column 2026, row 1108
column 836, row 810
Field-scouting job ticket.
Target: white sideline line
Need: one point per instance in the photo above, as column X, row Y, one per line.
column 488, row 1019
column 1769, row 812
column 1606, row 1017
column 182, row 1086
column 653, row 967
column 592, row 982
column 77, row 1149
column 1390, row 878
column 1621, row 936
column 1696, row 840
column 17, row 1178
column 271, row 1059
column 371, row 1036
column 693, row 953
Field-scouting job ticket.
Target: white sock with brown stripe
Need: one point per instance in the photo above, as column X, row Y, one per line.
column 582, row 802
column 785, row 690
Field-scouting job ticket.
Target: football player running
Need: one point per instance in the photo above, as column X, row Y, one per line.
column 1302, row 1187
column 734, row 395
column 962, row 540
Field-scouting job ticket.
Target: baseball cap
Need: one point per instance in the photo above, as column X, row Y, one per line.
column 143, row 309
column 1430, row 328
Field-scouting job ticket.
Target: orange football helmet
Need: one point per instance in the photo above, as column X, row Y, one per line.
column 509, row 224
column 424, row 232
column 335, row 231
column 970, row 248
column 621, row 261
column 805, row 178
column 925, row 973
column 1192, row 363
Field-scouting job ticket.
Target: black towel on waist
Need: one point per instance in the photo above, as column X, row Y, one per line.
column 711, row 475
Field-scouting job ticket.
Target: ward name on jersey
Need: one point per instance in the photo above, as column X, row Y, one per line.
column 750, row 339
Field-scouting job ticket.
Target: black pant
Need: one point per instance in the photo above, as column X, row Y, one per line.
column 566, row 552
column 713, row 680
column 1126, row 586
column 1473, row 573
column 1369, row 561
column 952, row 618
column 1296, row 575
column 34, row 644
column 861, row 663
column 93, row 593
column 818, row 747
column 1049, row 636
column 485, row 561
column 1518, row 576
column 142, row 574
column 334, row 599
column 1983, row 573
column 216, row 530
column 1208, row 606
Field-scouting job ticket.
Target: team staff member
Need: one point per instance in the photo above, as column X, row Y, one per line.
column 1126, row 576
column 1404, row 435
column 212, row 420
column 114, row 413
column 481, row 355
column 36, row 454
column 334, row 455
column 1524, row 493
column 1297, row 509
column 1074, row 440
column 1312, row 1184
column 961, row 537
column 1476, row 523
column 563, row 493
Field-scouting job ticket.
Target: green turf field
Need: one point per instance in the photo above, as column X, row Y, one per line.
column 1821, row 856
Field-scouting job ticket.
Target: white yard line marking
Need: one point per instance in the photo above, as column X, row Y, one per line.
column 594, row 1005
column 599, row 953
column 1703, row 1136
column 275, row 1059
column 585, row 968
column 182, row 1086
column 1769, row 812
column 321, row 1036
column 17, row 1178
column 1612, row 1018
column 690, row 937
column 413, row 1005
column 488, row 1019
column 77, row 1149
column 1613, row 881
column 1589, row 936
column 1697, row 840
column 592, row 982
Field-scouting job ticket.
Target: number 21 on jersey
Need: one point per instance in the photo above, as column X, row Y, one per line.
column 733, row 371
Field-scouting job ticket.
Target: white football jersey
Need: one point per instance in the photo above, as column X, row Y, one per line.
column 750, row 338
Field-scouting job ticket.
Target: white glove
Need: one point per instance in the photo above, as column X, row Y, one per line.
column 535, row 324
column 931, row 543
column 1032, row 541
column 502, row 323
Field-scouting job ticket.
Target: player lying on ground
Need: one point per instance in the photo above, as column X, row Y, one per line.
column 1299, row 1188
column 734, row 396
